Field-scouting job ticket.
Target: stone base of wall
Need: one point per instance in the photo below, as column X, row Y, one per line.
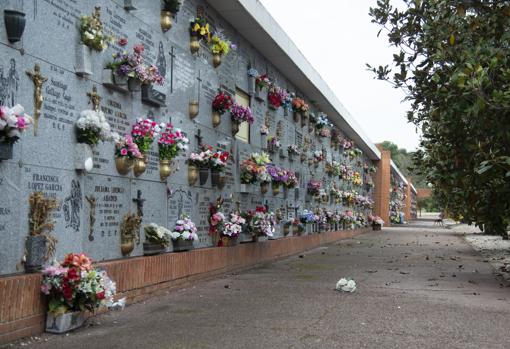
column 22, row 308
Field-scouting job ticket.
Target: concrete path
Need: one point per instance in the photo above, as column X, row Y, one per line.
column 418, row 287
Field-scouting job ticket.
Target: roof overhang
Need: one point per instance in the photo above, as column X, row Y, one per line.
column 255, row 24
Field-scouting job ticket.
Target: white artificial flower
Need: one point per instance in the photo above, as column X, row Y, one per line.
column 175, row 235
column 3, row 123
column 346, row 285
column 186, row 235
column 17, row 110
column 179, row 222
column 195, row 236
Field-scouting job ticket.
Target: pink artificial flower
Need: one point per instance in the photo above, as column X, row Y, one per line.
column 45, row 288
column 138, row 48
column 123, row 41
column 123, row 152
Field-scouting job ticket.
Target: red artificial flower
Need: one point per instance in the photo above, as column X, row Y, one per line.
column 67, row 290
column 260, row 209
column 100, row 295
column 123, row 41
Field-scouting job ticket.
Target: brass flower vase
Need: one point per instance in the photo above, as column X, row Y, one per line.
column 216, row 119
column 193, row 109
column 276, row 188
column 264, row 187
column 126, row 247
column 286, row 229
column 123, row 165
column 165, row 19
column 165, row 169
column 192, row 174
column 297, row 116
column 216, row 60
column 140, row 166
column 235, row 127
column 194, row 44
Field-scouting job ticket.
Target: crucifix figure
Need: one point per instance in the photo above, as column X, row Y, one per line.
column 139, row 203
column 38, row 81
column 92, row 215
column 199, row 84
column 199, row 138
column 172, row 58
column 95, row 98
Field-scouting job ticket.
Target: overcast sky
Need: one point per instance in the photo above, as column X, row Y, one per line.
column 337, row 38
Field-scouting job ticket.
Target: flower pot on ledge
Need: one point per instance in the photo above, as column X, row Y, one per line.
column 83, row 157
column 182, row 245
column 114, row 82
column 203, row 174
column 83, row 65
column 14, row 25
column 152, row 248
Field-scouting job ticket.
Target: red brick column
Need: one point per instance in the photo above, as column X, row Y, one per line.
column 407, row 209
column 382, row 186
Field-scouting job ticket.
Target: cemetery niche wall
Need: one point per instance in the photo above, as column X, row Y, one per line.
column 55, row 76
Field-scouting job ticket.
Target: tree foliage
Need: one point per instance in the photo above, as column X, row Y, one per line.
column 404, row 161
column 452, row 59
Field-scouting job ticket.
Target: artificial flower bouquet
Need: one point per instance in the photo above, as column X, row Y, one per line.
column 220, row 45
column 318, row 156
column 157, row 234
column 131, row 65
column 92, row 127
column 222, row 103
column 184, row 229
column 292, row 149
column 262, row 222
column 200, row 28
column 276, row 96
column 262, row 81
column 299, row 105
column 202, row 159
column 239, row 114
column 92, row 34
column 314, row 187
column 13, row 121
column 126, row 147
column 144, row 131
column 307, row 216
column 216, row 219
column 273, row 143
column 76, row 286
column 252, row 73
column 290, row 180
column 172, row 142
column 322, row 121
column 219, row 161
column 264, row 130
column 234, row 226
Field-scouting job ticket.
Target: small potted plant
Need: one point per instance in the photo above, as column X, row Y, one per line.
column 184, row 233
column 72, row 288
column 157, row 239
column 299, row 107
column 290, row 181
column 240, row 114
column 232, row 229
column 143, row 132
column 40, row 244
column 278, row 176
column 261, row 82
column 199, row 164
column 91, row 128
column 199, row 30
column 14, row 25
column 220, row 47
column 171, row 143
column 219, row 160
column 275, row 97
column 168, row 11
column 126, row 152
column 13, row 121
column 292, row 150
column 314, row 187
column 376, row 222
column 92, row 38
column 249, row 170
column 273, row 144
column 220, row 105
column 216, row 221
column 286, row 102
column 262, row 224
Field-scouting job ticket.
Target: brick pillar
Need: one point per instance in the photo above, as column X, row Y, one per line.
column 382, row 186
column 407, row 209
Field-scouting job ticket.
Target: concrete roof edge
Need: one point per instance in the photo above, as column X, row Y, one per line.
column 272, row 29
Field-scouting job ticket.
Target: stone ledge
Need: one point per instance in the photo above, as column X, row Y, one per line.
column 22, row 308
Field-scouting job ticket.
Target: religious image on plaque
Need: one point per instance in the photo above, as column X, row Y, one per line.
column 154, row 95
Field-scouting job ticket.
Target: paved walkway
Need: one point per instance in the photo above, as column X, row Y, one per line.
column 418, row 287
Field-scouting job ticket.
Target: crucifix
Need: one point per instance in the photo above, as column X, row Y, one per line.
column 139, row 203
column 92, row 215
column 38, row 81
column 172, row 58
column 199, row 138
column 94, row 98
